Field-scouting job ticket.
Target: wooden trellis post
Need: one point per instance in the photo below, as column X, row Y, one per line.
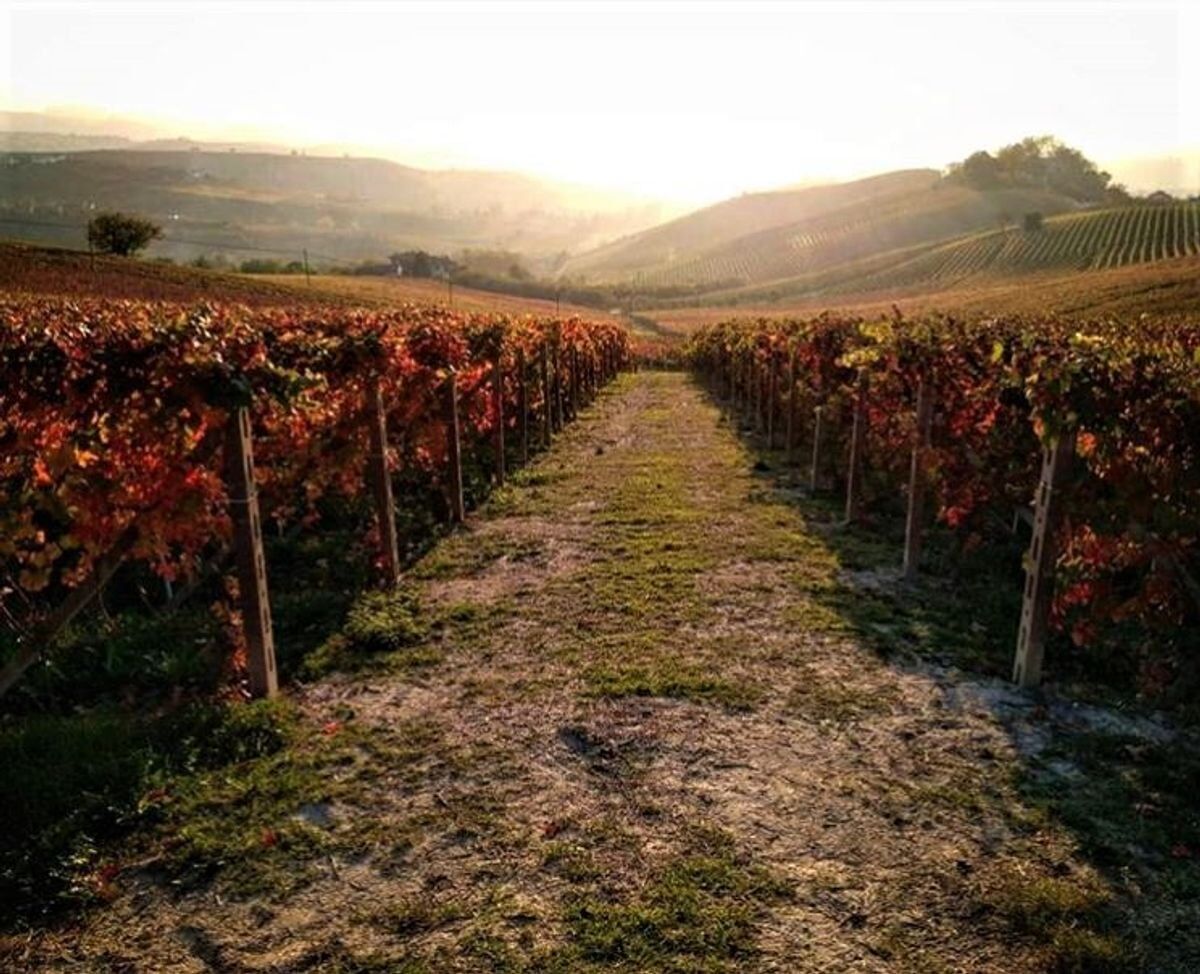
column 568, row 391
column 772, row 397
column 858, row 442
column 547, row 412
column 760, row 397
column 914, row 523
column 458, row 512
column 381, row 483
column 523, row 402
column 1039, row 562
column 498, row 405
column 556, row 368
column 790, row 429
column 574, row 382
column 254, row 601
column 814, row 477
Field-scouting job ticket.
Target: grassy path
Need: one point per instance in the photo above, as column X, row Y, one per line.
column 640, row 722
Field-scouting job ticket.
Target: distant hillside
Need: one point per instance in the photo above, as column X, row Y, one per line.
column 771, row 236
column 341, row 209
column 41, row 270
column 1091, row 240
column 1094, row 240
column 725, row 223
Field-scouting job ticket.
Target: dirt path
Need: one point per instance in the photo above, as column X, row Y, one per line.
column 646, row 732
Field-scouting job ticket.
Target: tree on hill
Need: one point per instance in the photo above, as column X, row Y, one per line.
column 979, row 169
column 121, row 233
column 418, row 263
column 1038, row 162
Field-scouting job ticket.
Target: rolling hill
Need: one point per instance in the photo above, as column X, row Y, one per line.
column 241, row 203
column 766, row 237
column 29, row 269
column 1070, row 243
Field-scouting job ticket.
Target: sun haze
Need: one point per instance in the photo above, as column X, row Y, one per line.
column 687, row 103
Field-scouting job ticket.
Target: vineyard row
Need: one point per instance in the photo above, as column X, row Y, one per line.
column 1099, row 425
column 163, row 435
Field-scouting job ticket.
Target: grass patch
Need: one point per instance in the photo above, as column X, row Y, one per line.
column 1068, row 917
column 414, row 915
column 572, row 862
column 666, row 677
column 699, row 914
column 130, row 655
column 378, row 623
column 76, row 785
column 383, row 622
column 472, row 552
column 818, row 698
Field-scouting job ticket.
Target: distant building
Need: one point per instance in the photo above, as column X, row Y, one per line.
column 1160, row 196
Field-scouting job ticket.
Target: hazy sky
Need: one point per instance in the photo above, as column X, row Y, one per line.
column 687, row 100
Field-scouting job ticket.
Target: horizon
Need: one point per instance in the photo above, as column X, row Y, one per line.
column 702, row 136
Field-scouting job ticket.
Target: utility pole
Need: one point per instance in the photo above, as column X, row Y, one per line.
column 307, row 278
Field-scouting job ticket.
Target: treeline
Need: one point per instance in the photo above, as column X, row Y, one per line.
column 623, row 296
column 1039, row 162
column 504, row 273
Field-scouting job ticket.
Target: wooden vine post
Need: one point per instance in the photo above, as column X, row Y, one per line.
column 547, row 414
column 254, row 601
column 814, row 476
column 556, row 368
column 914, row 522
column 523, row 402
column 772, row 397
column 858, row 442
column 760, row 399
column 498, row 406
column 381, row 484
column 574, row 382
column 790, row 428
column 747, row 386
column 1039, row 562
column 454, row 451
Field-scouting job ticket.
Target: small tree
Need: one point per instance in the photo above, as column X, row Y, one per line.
column 1033, row 222
column 121, row 233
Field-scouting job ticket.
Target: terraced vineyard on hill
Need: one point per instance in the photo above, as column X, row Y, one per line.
column 1094, row 240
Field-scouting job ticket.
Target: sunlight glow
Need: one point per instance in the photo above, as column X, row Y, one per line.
column 691, row 102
